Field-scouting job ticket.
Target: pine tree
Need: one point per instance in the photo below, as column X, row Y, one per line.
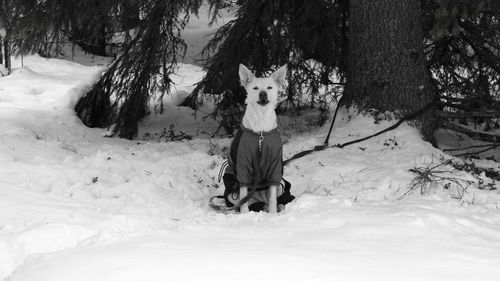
column 311, row 36
column 266, row 35
column 463, row 51
column 397, row 67
column 46, row 24
column 141, row 72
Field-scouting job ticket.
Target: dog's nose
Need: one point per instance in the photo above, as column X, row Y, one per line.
column 262, row 95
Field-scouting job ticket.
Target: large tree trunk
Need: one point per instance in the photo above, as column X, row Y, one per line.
column 386, row 64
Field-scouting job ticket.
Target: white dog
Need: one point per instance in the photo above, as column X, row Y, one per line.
column 262, row 99
column 256, row 151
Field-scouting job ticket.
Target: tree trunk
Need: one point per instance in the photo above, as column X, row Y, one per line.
column 133, row 110
column 6, row 46
column 93, row 42
column 6, row 49
column 1, row 53
column 386, row 64
column 90, row 34
column 130, row 15
column 101, row 40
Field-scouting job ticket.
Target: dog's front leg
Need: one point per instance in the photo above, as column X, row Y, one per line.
column 273, row 199
column 243, row 194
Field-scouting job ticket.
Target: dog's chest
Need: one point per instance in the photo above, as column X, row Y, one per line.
column 260, row 120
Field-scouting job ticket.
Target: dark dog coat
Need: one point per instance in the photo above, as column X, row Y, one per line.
column 257, row 158
column 255, row 161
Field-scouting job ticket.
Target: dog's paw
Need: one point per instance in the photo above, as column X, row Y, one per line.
column 281, row 208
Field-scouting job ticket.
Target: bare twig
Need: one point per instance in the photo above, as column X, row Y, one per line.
column 428, row 178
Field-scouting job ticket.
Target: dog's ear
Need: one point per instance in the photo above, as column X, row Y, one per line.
column 279, row 76
column 246, row 76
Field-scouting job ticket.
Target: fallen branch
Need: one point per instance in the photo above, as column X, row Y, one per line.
column 454, row 105
column 471, row 114
column 471, row 167
column 475, row 152
column 469, row 147
column 325, row 145
column 477, row 135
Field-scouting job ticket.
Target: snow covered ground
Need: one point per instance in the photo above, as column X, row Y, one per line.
column 77, row 206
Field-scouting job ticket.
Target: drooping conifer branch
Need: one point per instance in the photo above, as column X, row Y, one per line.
column 143, row 70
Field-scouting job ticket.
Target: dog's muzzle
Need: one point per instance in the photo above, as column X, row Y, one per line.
column 263, row 100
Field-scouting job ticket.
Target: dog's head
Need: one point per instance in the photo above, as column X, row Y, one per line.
column 262, row 91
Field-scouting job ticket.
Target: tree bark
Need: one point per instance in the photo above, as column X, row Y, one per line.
column 6, row 46
column 386, row 63
column 1, row 53
column 130, row 16
column 93, row 43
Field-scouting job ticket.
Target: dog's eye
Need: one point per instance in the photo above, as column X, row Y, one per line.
column 255, row 88
column 269, row 88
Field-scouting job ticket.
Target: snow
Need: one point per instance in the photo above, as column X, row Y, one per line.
column 75, row 205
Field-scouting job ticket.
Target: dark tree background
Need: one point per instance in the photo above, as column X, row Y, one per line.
column 142, row 70
column 386, row 55
column 402, row 55
column 266, row 35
